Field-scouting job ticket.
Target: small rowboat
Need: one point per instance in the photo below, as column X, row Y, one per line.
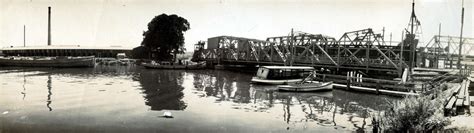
column 307, row 86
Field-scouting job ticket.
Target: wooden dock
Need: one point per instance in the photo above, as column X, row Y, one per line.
column 355, row 82
column 374, row 90
column 459, row 99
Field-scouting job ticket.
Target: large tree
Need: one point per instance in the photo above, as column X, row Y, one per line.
column 140, row 52
column 164, row 37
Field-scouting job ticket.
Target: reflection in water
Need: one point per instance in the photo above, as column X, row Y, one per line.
column 24, row 83
column 287, row 114
column 322, row 108
column 221, row 84
column 48, row 101
column 162, row 89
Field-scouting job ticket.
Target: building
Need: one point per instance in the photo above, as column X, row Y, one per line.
column 66, row 50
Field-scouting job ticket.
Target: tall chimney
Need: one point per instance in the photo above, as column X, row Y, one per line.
column 49, row 25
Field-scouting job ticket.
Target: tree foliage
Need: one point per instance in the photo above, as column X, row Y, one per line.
column 140, row 52
column 165, row 36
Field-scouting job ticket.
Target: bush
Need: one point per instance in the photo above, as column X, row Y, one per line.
column 423, row 113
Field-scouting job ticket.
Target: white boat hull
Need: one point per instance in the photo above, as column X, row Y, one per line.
column 274, row 82
column 327, row 86
column 189, row 67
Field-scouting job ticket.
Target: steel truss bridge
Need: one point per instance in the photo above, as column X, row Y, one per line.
column 446, row 49
column 361, row 50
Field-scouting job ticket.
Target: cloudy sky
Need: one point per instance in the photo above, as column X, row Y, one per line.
column 121, row 22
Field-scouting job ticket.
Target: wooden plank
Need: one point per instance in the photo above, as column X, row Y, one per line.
column 462, row 90
column 451, row 103
column 456, row 87
column 472, row 100
column 459, row 102
column 466, row 93
column 466, row 101
column 462, row 100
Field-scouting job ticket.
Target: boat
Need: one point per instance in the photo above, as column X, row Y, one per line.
column 278, row 75
column 307, row 86
column 126, row 62
column 61, row 61
column 168, row 65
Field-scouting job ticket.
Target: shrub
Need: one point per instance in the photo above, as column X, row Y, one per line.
column 423, row 113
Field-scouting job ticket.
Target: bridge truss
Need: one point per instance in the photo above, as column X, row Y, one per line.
column 356, row 50
column 446, row 49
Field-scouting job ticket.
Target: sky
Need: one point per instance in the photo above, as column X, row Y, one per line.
column 104, row 23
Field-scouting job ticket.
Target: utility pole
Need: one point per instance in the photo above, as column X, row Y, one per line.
column 460, row 38
column 292, row 45
column 390, row 38
column 438, row 47
column 383, row 34
column 401, row 52
column 24, row 36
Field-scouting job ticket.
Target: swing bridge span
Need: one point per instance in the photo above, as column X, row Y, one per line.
column 361, row 50
column 356, row 50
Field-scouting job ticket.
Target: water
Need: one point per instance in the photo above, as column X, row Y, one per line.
column 130, row 99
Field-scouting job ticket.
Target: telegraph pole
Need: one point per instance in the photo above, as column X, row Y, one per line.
column 460, row 38
column 24, row 36
column 292, row 48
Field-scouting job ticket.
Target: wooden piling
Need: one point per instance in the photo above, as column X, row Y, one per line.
column 377, row 89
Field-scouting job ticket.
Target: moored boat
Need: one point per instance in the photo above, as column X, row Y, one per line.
column 48, row 61
column 278, row 75
column 307, row 86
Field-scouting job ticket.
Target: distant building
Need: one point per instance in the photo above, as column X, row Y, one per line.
column 68, row 50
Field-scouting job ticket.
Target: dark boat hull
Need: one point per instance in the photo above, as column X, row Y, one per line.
column 78, row 62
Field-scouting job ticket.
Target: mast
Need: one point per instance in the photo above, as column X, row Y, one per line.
column 411, row 39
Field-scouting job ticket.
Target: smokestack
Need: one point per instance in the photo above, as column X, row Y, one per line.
column 49, row 25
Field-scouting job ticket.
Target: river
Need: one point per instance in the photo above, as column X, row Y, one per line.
column 133, row 99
